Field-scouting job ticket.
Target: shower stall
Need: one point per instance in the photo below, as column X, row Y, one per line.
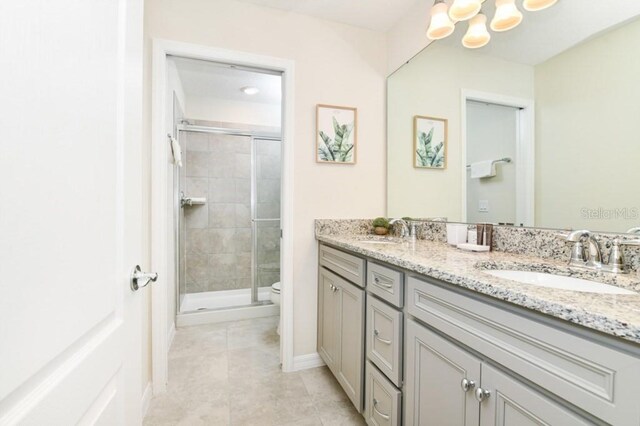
column 227, row 209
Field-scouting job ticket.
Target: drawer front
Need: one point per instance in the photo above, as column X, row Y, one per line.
column 588, row 374
column 343, row 264
column 385, row 283
column 384, row 338
column 383, row 400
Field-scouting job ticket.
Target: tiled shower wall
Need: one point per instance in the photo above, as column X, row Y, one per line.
column 218, row 234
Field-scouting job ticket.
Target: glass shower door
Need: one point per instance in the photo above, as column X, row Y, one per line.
column 266, row 190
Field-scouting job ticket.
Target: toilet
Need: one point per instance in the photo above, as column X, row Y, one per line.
column 275, row 299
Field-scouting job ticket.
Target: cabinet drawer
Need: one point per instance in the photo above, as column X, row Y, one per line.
column 383, row 400
column 385, row 283
column 594, row 377
column 343, row 264
column 384, row 338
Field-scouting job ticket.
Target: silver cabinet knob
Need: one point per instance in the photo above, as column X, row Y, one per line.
column 141, row 279
column 467, row 385
column 482, row 394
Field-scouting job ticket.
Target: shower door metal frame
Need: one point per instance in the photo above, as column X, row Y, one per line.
column 271, row 136
column 255, row 221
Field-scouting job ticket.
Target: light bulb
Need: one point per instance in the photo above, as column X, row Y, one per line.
column 477, row 34
column 440, row 26
column 535, row 5
column 507, row 16
column 462, row 10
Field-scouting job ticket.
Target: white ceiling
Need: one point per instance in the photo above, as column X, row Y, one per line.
column 544, row 34
column 378, row 15
column 220, row 81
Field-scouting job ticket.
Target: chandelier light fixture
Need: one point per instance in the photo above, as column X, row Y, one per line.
column 440, row 26
column 462, row 10
column 477, row 34
column 507, row 17
column 535, row 5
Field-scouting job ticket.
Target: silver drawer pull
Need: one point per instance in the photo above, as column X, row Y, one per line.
column 467, row 385
column 379, row 283
column 376, row 334
column 375, row 404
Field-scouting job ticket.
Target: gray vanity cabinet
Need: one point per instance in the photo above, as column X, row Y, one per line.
column 435, row 370
column 341, row 332
column 445, row 384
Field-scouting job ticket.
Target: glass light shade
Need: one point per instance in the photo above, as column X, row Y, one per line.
column 461, row 10
column 535, row 5
column 507, row 16
column 477, row 34
column 440, row 26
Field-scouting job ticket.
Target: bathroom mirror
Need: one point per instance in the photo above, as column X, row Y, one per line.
column 543, row 123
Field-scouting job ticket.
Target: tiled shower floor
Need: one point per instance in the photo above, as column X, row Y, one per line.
column 229, row 374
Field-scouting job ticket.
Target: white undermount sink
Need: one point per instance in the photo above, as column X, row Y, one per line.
column 558, row 281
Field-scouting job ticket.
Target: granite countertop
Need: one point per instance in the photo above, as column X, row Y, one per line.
column 617, row 315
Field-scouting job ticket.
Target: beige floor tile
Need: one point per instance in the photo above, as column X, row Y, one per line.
column 229, row 374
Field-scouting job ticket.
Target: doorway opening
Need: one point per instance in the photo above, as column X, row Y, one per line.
column 221, row 192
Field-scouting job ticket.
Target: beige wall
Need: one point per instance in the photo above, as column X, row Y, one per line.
column 408, row 36
column 334, row 64
column 431, row 85
column 587, row 127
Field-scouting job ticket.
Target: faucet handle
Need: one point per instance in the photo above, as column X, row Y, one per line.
column 617, row 263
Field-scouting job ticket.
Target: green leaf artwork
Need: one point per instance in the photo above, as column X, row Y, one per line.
column 429, row 154
column 338, row 149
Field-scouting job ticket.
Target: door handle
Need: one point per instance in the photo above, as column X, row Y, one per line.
column 141, row 279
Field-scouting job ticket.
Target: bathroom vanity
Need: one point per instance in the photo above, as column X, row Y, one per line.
column 420, row 334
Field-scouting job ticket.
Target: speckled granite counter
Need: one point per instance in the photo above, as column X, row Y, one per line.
column 617, row 315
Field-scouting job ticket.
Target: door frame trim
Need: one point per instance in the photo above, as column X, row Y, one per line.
column 161, row 206
column 525, row 151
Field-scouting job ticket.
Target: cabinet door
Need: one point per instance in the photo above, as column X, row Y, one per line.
column 435, row 370
column 512, row 403
column 328, row 318
column 350, row 368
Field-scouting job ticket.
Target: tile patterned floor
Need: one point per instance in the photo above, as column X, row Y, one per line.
column 229, row 374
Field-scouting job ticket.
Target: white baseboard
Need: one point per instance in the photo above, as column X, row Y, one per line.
column 146, row 399
column 171, row 335
column 303, row 362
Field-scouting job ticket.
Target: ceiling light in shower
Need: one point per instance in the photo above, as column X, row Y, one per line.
column 535, row 5
column 440, row 26
column 250, row 90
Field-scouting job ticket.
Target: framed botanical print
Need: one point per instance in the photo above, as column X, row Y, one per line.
column 336, row 134
column 429, row 142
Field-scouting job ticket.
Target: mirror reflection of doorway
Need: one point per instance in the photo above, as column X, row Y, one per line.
column 492, row 136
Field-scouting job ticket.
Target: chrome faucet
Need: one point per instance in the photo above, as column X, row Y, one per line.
column 590, row 257
column 408, row 229
column 635, row 230
column 586, row 257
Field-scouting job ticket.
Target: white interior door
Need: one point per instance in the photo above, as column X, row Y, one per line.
column 70, row 221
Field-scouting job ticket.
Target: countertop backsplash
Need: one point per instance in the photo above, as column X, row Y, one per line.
column 536, row 242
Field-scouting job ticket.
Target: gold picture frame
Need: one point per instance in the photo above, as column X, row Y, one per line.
column 333, row 123
column 430, row 135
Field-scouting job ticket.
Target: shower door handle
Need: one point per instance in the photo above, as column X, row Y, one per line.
column 141, row 279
